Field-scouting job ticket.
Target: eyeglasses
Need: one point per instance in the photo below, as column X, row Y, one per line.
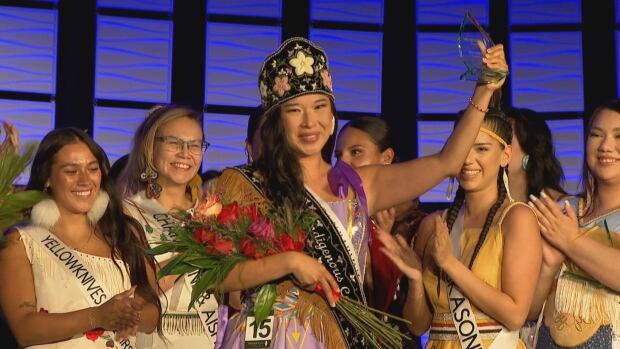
column 172, row 143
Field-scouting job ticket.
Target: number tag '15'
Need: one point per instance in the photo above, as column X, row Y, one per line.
column 258, row 335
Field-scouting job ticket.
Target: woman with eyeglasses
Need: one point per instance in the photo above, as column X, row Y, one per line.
column 161, row 178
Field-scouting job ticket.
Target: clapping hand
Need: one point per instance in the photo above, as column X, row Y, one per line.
column 399, row 252
column 558, row 228
column 119, row 313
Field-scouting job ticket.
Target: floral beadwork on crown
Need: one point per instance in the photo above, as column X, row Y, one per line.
column 298, row 67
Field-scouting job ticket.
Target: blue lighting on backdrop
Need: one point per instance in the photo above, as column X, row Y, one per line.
column 134, row 59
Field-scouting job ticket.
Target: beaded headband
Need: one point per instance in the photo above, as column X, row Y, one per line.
column 494, row 135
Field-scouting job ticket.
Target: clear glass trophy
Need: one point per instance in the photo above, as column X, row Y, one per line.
column 471, row 40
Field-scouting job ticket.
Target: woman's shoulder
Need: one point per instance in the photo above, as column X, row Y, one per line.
column 241, row 184
column 238, row 175
column 514, row 209
column 18, row 241
column 517, row 214
column 13, row 235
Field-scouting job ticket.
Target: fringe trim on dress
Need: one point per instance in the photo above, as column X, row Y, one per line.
column 312, row 308
column 104, row 268
column 182, row 324
column 587, row 300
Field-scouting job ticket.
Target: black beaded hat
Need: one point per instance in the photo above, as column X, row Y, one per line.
column 296, row 68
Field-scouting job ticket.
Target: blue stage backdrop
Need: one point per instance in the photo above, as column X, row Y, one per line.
column 134, row 51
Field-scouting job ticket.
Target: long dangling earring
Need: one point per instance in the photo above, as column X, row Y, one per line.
column 149, row 176
column 524, row 161
column 506, row 184
column 333, row 125
column 450, row 190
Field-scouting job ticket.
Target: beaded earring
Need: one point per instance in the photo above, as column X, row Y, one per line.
column 149, row 176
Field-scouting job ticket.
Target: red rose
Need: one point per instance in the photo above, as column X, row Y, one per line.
column 209, row 206
column 222, row 246
column 247, row 248
column 285, row 243
column 94, row 334
column 301, row 241
column 252, row 212
column 261, row 228
column 229, row 213
column 202, row 235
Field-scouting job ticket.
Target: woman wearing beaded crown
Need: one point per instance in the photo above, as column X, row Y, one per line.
column 161, row 179
column 471, row 280
column 294, row 170
column 579, row 277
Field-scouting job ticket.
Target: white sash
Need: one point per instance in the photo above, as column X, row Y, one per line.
column 149, row 212
column 94, row 291
column 343, row 234
column 462, row 314
column 207, row 308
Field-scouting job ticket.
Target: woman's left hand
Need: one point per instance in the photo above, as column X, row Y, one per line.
column 558, row 228
column 441, row 246
column 137, row 304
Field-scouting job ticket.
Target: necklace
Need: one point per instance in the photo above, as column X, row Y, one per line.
column 84, row 244
column 81, row 248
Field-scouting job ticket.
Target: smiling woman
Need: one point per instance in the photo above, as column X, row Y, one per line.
column 578, row 280
column 162, row 179
column 485, row 263
column 294, row 172
column 66, row 278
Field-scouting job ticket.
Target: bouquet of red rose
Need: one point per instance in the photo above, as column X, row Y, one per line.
column 216, row 237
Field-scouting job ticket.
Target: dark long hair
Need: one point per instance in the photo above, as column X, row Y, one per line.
column 496, row 122
column 534, row 136
column 114, row 225
column 377, row 129
column 380, row 134
column 253, row 122
column 280, row 166
column 588, row 181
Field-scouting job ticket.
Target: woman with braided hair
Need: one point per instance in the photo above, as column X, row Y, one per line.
column 472, row 277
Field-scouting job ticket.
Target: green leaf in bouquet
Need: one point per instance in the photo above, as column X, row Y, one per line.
column 211, row 279
column 161, row 249
column 203, row 262
column 264, row 302
column 205, row 280
column 16, row 202
column 12, row 204
column 12, row 164
column 7, row 219
column 180, row 269
column 166, row 270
